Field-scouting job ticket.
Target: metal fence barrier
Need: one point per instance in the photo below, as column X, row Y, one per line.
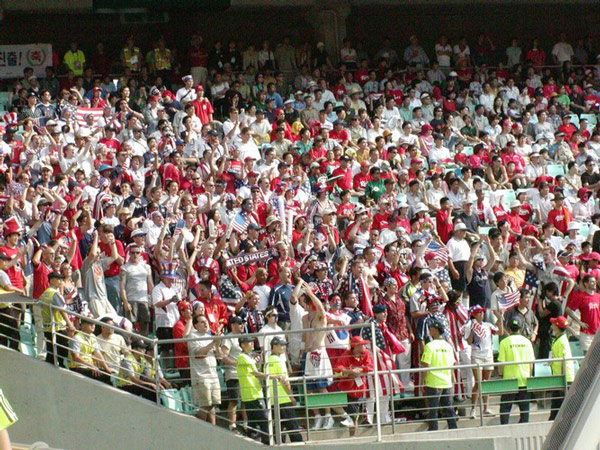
column 307, row 411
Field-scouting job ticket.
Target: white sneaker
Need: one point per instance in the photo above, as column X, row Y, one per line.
column 347, row 422
column 472, row 415
column 318, row 423
column 488, row 412
column 329, row 423
column 409, row 387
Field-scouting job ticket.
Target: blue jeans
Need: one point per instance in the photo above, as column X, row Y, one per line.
column 113, row 293
column 439, row 402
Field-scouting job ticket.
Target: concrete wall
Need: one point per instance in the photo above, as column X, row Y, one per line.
column 68, row 411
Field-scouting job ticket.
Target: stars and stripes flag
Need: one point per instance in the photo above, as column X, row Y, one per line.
column 440, row 251
column 81, row 113
column 531, row 279
column 240, row 223
column 390, row 382
column 508, row 300
column 478, row 330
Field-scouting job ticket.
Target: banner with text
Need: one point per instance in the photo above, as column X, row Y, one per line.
column 245, row 258
column 15, row 58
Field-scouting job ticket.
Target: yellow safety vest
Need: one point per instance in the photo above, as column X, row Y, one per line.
column 138, row 369
column 162, row 59
column 88, row 347
column 132, row 57
column 49, row 315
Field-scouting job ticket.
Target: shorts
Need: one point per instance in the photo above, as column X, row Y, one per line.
column 233, row 390
column 7, row 415
column 316, row 364
column 206, row 391
column 354, row 404
column 486, row 362
column 585, row 340
column 139, row 312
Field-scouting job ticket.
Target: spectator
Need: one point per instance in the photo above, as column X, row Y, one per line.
column 206, row 390
column 560, row 349
column 135, row 287
column 112, row 345
column 85, row 356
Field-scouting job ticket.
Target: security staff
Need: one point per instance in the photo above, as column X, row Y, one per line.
column 438, row 383
column 515, row 348
column 251, row 390
column 52, row 296
column 560, row 349
column 276, row 365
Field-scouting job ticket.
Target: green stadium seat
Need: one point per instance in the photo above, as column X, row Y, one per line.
column 468, row 151
column 592, row 120
column 575, row 120
column 554, row 170
column 509, row 196
column 499, row 386
column 27, row 335
column 575, row 348
column 171, row 398
column 188, row 404
column 325, row 400
column 542, row 370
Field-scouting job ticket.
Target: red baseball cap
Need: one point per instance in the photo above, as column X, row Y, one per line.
column 183, row 305
column 560, row 321
column 416, row 161
column 199, row 88
column 357, row 340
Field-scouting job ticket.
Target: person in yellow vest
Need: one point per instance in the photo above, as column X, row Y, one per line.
column 515, row 348
column 74, row 59
column 276, row 365
column 161, row 60
column 438, row 383
column 85, row 356
column 560, row 349
column 7, row 418
column 134, row 376
column 131, row 56
column 252, row 392
column 60, row 319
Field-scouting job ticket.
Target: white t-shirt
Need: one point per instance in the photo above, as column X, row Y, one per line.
column 458, row 250
column 167, row 316
column 562, row 51
column 482, row 347
column 201, row 366
column 136, row 281
column 443, row 60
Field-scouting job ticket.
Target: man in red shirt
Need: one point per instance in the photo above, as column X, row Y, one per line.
column 202, row 106
column 111, row 275
column 42, row 267
column 587, row 302
column 360, row 180
column 560, row 216
column 345, row 182
column 354, row 365
column 109, row 139
column 180, row 348
column 214, row 309
column 567, row 127
column 13, row 268
column 443, row 220
column 339, row 134
column 514, row 218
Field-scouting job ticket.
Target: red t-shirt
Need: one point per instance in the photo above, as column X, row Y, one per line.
column 40, row 279
column 380, row 221
column 113, row 269
column 560, row 218
column 348, row 361
column 359, row 182
column 203, row 109
column 216, row 312
column 345, row 210
column 15, row 273
column 443, row 228
column 180, row 348
column 346, row 181
column 111, row 143
column 589, row 308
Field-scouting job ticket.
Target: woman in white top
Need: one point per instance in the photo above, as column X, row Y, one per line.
column 479, row 336
column 271, row 315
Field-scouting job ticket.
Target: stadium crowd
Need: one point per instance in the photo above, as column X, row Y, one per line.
column 270, row 190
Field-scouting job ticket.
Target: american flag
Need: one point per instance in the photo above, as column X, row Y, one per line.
column 81, row 113
column 240, row 223
column 440, row 252
column 478, row 330
column 531, row 279
column 508, row 300
column 390, row 382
